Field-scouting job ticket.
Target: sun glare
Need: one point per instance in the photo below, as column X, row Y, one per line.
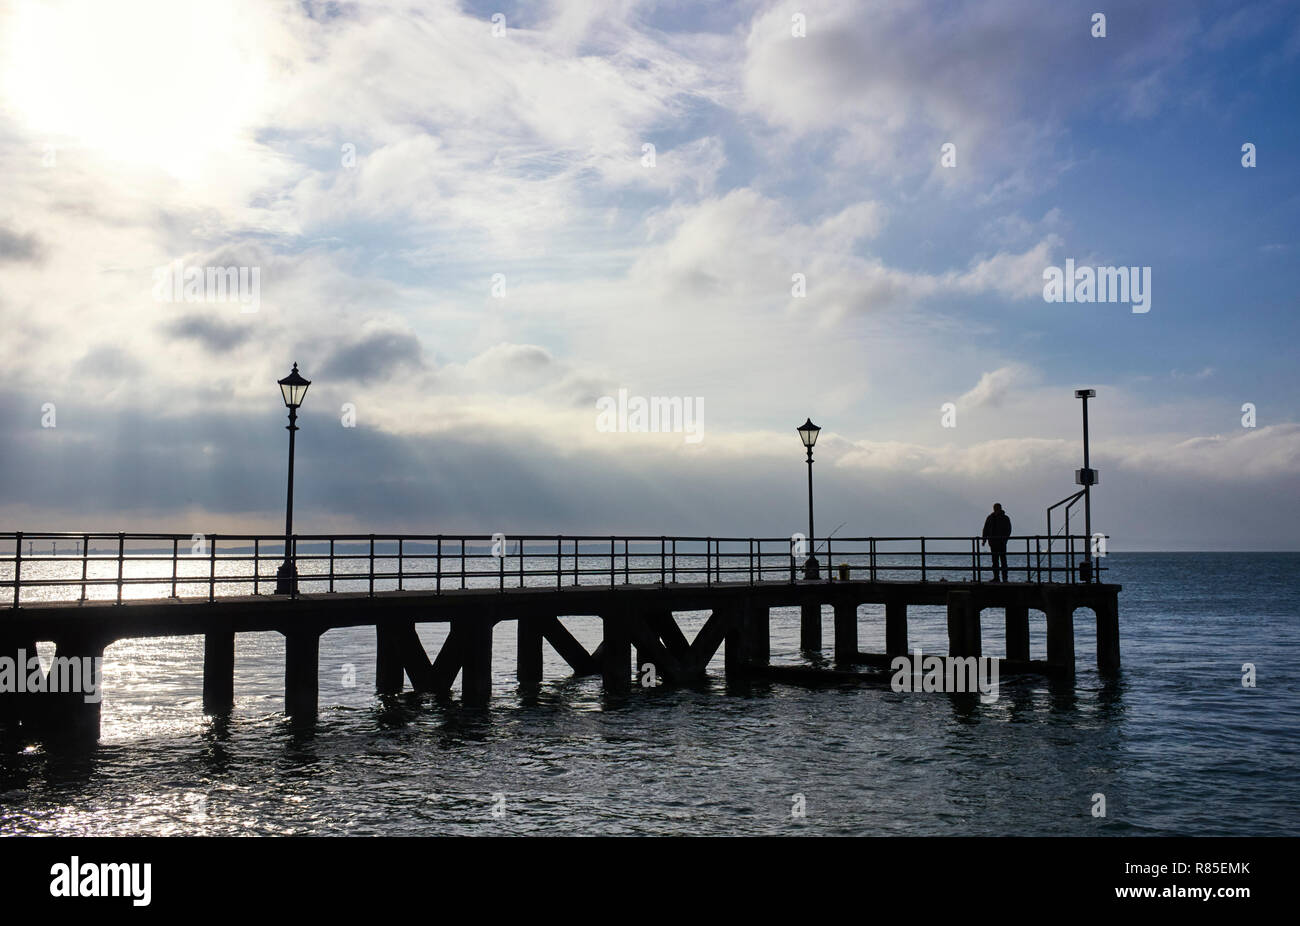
column 160, row 83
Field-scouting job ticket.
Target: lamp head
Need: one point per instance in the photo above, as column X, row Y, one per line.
column 808, row 433
column 293, row 387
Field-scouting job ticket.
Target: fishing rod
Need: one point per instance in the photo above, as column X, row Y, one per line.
column 833, row 533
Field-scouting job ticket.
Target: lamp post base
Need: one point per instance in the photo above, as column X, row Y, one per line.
column 286, row 580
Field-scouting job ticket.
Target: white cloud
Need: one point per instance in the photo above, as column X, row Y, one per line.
column 994, row 386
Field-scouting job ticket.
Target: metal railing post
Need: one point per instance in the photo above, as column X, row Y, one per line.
column 922, row 559
column 212, row 570
column 18, row 566
column 331, row 565
column 257, row 564
column 372, row 565
column 663, row 564
column 708, row 561
column 401, row 542
column 559, row 560
column 873, row 559
column 121, row 553
column 85, row 548
column 611, row 562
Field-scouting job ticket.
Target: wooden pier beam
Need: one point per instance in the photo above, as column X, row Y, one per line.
column 528, row 657
column 705, row 645
column 570, row 650
column 1060, row 632
column 810, row 626
column 442, row 672
column 475, row 635
column 846, row 632
column 390, row 667
column 665, row 625
column 1018, row 632
column 615, row 651
column 650, row 651
column 963, row 625
column 896, row 628
column 218, row 672
column 301, row 671
column 1107, row 612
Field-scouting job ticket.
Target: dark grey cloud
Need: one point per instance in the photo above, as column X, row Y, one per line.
column 217, row 337
column 374, row 356
column 15, row 246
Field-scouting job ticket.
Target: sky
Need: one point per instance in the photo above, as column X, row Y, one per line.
column 470, row 223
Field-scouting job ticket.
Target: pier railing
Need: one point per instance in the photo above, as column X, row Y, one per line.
column 69, row 566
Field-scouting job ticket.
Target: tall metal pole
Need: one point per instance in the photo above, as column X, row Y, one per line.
column 1087, row 495
column 288, row 578
column 812, row 545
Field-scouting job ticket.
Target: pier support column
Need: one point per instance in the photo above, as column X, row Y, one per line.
column 301, row 671
column 528, row 659
column 758, row 629
column 218, row 672
column 390, row 671
column 963, row 625
column 1108, row 634
column 846, row 632
column 615, row 652
column 810, row 626
column 18, row 707
column 1060, row 633
column 736, row 644
column 646, row 657
column 69, row 707
column 475, row 634
column 896, row 628
column 1018, row 632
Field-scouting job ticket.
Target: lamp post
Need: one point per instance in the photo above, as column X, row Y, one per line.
column 808, row 434
column 293, row 387
column 1086, row 477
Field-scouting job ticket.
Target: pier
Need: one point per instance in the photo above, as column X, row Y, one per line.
column 121, row 586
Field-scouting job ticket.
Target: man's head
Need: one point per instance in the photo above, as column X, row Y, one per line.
column 997, row 508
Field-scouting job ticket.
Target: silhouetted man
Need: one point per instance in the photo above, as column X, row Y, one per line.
column 997, row 528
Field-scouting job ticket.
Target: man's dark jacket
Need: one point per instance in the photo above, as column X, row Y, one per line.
column 997, row 528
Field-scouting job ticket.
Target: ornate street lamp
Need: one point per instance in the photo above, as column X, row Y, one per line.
column 293, row 387
column 808, row 434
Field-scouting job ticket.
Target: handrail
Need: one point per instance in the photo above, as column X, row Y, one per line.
column 1068, row 502
column 120, row 567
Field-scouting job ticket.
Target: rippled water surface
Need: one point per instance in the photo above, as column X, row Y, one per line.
column 1177, row 745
